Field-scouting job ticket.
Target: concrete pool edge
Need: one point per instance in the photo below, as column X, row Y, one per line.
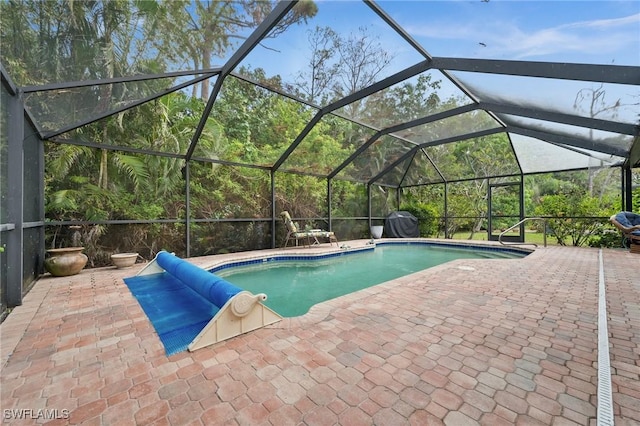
column 283, row 254
column 321, row 310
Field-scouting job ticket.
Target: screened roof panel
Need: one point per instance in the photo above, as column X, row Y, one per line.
column 395, row 175
column 327, row 145
column 605, row 159
column 245, row 125
column 614, row 102
column 342, row 49
column 597, row 32
column 458, row 125
column 422, row 171
column 55, row 110
column 419, row 96
column 136, row 129
column 538, row 156
column 583, row 137
column 478, row 157
column 379, row 155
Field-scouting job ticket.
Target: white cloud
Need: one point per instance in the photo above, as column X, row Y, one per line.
column 597, row 37
column 504, row 39
column 605, row 24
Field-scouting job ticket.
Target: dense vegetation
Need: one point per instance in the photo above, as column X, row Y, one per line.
column 250, row 128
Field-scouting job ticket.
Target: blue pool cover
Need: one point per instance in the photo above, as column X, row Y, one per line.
column 213, row 288
column 181, row 301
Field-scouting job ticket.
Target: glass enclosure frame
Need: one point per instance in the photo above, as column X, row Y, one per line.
column 459, row 110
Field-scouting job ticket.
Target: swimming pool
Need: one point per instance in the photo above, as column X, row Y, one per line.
column 294, row 284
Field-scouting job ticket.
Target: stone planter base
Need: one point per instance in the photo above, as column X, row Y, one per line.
column 124, row 260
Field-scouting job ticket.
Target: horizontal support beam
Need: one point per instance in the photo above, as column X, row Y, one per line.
column 577, row 142
column 118, row 80
column 558, row 117
column 616, row 74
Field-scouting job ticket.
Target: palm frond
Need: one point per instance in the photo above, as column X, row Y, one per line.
column 132, row 166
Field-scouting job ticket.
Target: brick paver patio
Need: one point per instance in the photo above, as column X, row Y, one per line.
column 489, row 342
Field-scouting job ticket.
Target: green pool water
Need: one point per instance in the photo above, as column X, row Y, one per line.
column 294, row 286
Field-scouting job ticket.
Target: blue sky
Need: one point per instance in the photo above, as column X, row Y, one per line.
column 572, row 31
column 602, row 32
column 597, row 32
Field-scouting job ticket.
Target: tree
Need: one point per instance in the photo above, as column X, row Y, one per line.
column 592, row 102
column 340, row 66
column 563, row 197
column 195, row 32
column 361, row 61
column 567, row 211
column 316, row 82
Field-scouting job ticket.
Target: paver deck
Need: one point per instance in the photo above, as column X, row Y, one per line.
column 489, row 342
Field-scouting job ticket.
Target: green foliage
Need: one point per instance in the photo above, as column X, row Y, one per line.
column 61, row 40
column 431, row 199
column 427, row 217
column 577, row 204
column 571, row 217
column 349, row 199
column 605, row 237
column 302, row 196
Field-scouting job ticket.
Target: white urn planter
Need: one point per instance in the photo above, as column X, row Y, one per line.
column 124, row 260
column 376, row 231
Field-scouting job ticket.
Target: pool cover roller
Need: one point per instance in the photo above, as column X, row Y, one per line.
column 210, row 286
column 238, row 311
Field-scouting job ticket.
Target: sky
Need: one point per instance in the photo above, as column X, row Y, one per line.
column 571, row 31
column 599, row 32
column 595, row 32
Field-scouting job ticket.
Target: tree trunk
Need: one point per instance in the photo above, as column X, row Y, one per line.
column 103, row 179
column 206, row 64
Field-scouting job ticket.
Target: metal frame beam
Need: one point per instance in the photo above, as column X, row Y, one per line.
column 434, row 143
column 616, row 74
column 555, row 138
column 431, row 118
column 7, row 82
column 634, row 153
column 97, row 117
column 316, row 118
column 15, row 201
column 558, row 117
column 380, row 85
column 397, row 28
column 278, row 12
column 116, row 80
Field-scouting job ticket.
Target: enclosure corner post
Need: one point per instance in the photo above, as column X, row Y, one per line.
column 329, row 206
column 15, row 201
column 273, row 208
column 187, row 195
column 446, row 211
column 369, row 203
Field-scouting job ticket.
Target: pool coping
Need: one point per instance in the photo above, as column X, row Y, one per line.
column 320, row 311
column 368, row 246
